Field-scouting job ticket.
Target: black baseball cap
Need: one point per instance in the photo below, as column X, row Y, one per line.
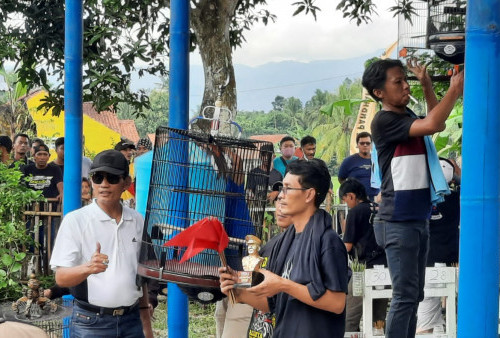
column 6, row 142
column 41, row 147
column 122, row 145
column 110, row 161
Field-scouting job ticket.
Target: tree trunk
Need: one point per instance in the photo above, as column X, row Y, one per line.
column 210, row 21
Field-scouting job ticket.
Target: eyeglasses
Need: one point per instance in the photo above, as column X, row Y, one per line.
column 98, row 177
column 284, row 189
column 365, row 143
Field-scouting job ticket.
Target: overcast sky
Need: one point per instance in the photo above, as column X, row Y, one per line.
column 300, row 38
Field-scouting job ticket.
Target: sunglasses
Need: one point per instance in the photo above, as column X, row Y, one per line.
column 365, row 143
column 98, row 177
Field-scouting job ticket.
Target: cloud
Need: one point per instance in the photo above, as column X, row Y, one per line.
column 300, row 38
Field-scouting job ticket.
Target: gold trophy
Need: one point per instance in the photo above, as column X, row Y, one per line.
column 252, row 262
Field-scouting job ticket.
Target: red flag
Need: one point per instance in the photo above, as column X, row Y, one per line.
column 205, row 234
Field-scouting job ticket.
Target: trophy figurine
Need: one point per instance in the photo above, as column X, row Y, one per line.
column 252, row 262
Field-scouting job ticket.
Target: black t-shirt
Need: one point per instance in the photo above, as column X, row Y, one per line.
column 359, row 232
column 60, row 167
column 444, row 231
column 274, row 176
column 257, row 182
column 45, row 179
column 403, row 165
column 297, row 319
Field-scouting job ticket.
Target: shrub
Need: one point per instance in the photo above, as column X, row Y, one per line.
column 14, row 238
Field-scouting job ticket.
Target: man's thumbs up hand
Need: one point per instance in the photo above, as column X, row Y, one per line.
column 99, row 262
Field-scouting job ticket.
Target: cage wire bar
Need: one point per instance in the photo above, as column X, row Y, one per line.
column 413, row 33
column 222, row 182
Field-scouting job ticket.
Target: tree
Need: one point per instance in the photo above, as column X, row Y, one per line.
column 157, row 115
column 120, row 35
column 333, row 137
column 15, row 115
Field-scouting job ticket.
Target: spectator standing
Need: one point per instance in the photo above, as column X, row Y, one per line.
column 360, row 243
column 97, row 247
column 306, row 280
column 21, row 145
column 86, row 162
column 5, row 149
column 42, row 176
column 35, row 143
column 86, row 191
column 287, row 148
column 59, row 161
column 402, row 223
column 257, row 180
column 143, row 146
column 127, row 149
column 308, row 147
column 262, row 324
column 443, row 246
column 359, row 165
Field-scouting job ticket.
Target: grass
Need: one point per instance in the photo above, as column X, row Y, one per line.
column 201, row 320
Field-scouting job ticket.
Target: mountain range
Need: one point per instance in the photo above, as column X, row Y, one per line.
column 258, row 86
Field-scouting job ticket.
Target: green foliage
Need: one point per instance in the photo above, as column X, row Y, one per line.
column 14, row 197
column 357, row 266
column 15, row 115
column 152, row 117
column 333, row 136
column 449, row 142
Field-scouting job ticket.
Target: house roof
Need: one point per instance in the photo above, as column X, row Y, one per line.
column 126, row 128
column 269, row 138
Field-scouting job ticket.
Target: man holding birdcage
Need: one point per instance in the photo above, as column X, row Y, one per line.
column 305, row 283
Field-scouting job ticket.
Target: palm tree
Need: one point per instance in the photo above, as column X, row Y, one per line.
column 333, row 136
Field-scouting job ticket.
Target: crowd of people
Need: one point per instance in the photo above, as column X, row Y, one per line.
column 394, row 186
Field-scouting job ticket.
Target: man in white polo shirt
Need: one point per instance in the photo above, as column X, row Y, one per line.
column 96, row 255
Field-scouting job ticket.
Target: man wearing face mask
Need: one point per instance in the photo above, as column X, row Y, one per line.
column 287, row 148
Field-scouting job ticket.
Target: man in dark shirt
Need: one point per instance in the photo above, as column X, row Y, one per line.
column 359, row 165
column 20, row 147
column 360, row 243
column 308, row 147
column 44, row 176
column 258, row 179
column 305, row 284
column 59, row 161
column 5, row 148
column 402, row 223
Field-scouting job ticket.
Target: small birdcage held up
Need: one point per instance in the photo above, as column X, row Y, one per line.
column 438, row 25
column 196, row 175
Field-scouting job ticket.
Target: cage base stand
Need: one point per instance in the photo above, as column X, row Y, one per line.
column 439, row 282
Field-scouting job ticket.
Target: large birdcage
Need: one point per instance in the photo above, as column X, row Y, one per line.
column 438, row 25
column 194, row 176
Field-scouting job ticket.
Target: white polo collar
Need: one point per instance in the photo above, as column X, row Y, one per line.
column 104, row 217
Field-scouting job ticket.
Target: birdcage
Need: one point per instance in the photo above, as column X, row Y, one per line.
column 438, row 25
column 194, row 176
column 446, row 29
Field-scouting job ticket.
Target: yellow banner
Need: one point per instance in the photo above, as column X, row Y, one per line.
column 367, row 111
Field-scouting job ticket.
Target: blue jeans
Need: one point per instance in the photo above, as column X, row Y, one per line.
column 87, row 324
column 406, row 245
